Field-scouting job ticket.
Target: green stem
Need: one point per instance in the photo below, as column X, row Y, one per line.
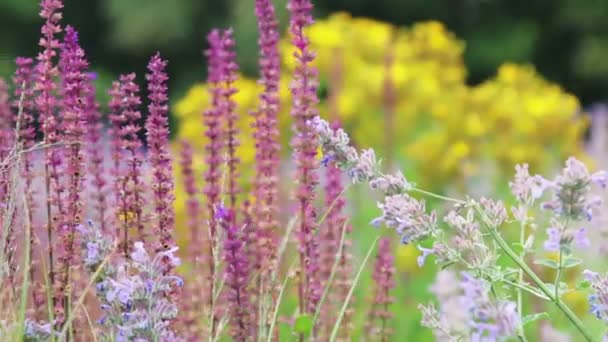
column 443, row 198
column 520, row 301
column 541, row 285
column 558, row 277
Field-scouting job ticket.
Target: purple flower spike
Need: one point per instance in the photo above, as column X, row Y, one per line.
column 599, row 295
column 304, row 109
column 157, row 127
column 24, row 105
column 98, row 178
column 73, row 66
column 126, row 145
column 46, row 105
column 384, row 279
column 266, row 135
column 237, row 279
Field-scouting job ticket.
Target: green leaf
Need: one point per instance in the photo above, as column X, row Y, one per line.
column 518, row 247
column 527, row 319
column 547, row 262
column 583, row 285
column 303, row 325
column 571, row 262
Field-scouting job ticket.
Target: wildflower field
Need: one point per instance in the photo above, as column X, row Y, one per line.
column 357, row 189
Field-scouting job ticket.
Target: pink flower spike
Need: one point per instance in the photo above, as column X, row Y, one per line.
column 266, row 135
column 46, row 104
column 384, row 278
column 157, row 127
column 237, row 278
column 97, row 176
column 304, row 108
column 129, row 187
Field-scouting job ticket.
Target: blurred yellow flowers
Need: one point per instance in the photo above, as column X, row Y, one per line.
column 403, row 92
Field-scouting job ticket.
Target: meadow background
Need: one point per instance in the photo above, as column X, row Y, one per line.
column 455, row 93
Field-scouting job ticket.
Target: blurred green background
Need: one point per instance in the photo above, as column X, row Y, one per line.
column 567, row 40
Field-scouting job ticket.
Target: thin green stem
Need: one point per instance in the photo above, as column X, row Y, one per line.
column 443, row 198
column 541, row 285
column 520, row 301
column 558, row 277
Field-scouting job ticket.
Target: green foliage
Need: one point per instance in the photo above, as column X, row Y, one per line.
column 303, row 325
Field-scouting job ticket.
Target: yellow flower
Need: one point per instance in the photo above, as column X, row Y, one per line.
column 403, row 91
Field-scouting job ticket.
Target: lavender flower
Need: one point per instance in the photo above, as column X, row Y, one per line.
column 304, row 89
column 561, row 237
column 360, row 168
column 572, row 198
column 38, row 331
column 157, row 127
column 96, row 246
column 448, row 321
column 526, row 188
column 468, row 312
column 135, row 296
column 335, row 144
column 407, row 216
column 598, row 299
column 491, row 320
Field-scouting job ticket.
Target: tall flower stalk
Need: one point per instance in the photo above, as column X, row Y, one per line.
column 97, row 177
column 24, row 107
column 304, row 108
column 157, row 127
column 46, row 103
column 126, row 126
column 228, row 73
column 236, row 278
column 72, row 64
column 384, row 273
column 213, row 119
column 266, row 139
column 7, row 191
column 7, row 141
column 197, row 288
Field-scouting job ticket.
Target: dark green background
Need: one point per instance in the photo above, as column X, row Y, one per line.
column 567, row 40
